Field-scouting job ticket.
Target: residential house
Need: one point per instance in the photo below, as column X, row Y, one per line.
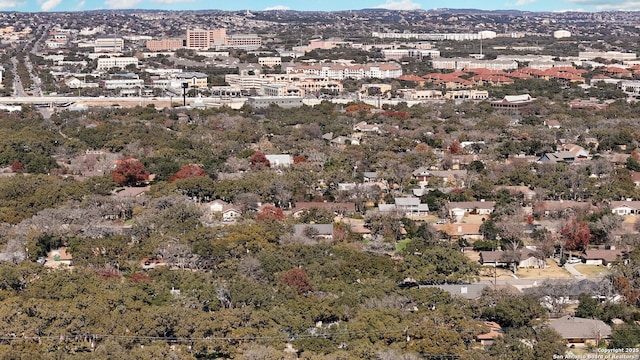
column 217, row 205
column 457, row 231
column 493, row 332
column 341, row 142
column 452, row 178
column 616, row 159
column 152, row 263
column 624, row 208
column 370, row 176
column 580, row 331
column 132, row 191
column 467, row 291
column 602, row 256
column 59, row 258
column 409, row 206
column 561, row 208
column 336, row 208
column 361, row 230
column 520, row 191
column 280, row 160
column 492, row 258
column 528, row 259
column 314, row 231
column 231, row 213
column 367, row 128
column 552, row 124
column 459, row 209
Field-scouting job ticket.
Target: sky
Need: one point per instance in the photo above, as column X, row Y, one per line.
column 319, row 5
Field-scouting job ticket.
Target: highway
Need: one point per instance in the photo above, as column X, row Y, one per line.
column 123, row 101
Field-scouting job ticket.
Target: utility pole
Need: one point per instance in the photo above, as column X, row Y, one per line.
column 184, row 93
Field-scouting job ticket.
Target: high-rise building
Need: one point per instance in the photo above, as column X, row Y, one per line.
column 205, row 39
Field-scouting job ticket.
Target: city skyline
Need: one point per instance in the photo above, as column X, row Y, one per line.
column 327, row 5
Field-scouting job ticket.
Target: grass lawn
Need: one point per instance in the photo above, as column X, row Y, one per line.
column 402, row 244
column 592, row 271
column 552, row 271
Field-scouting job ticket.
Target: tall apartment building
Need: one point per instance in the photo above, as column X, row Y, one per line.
column 205, row 39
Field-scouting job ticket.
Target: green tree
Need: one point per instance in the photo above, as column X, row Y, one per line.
column 588, row 307
column 625, row 336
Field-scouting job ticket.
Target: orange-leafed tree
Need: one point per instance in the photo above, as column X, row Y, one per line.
column 129, row 172
column 270, row 212
column 187, row 171
column 299, row 159
column 297, row 279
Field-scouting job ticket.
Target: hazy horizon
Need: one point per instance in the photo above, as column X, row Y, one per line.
column 327, row 5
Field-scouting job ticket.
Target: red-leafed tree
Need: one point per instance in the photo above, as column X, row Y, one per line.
column 455, row 148
column 297, row 279
column 187, row 171
column 129, row 172
column 259, row 160
column 17, row 167
column 270, row 212
column 299, row 159
column 576, row 235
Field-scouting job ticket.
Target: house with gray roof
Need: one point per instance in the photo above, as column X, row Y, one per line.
column 580, row 331
column 467, row 291
column 407, row 206
column 314, row 231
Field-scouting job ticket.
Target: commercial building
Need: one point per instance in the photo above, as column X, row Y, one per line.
column 437, row 37
column 470, row 63
column 193, row 79
column 108, row 44
column 241, row 41
column 397, row 54
column 284, row 102
column 514, row 104
column 340, row 72
column 122, row 84
column 116, row 62
column 270, row 61
column 608, row 55
column 165, row 44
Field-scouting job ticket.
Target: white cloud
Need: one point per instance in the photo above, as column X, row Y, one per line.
column 49, row 5
column 6, row 4
column 168, row 2
column 121, row 4
column 81, row 4
column 524, row 2
column 277, row 7
column 399, row 5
